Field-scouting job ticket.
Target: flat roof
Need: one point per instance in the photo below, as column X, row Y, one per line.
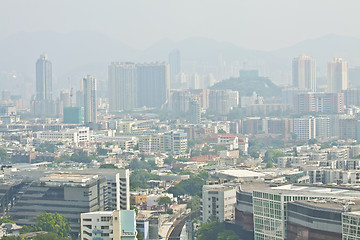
column 240, row 173
column 336, row 204
column 67, row 177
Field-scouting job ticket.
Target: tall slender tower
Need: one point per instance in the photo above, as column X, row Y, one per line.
column 304, row 72
column 43, row 79
column 337, row 75
column 90, row 101
column 122, row 86
column 175, row 67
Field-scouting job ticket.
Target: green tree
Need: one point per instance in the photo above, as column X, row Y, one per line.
column 101, row 151
column 49, row 236
column 5, row 220
column 204, row 174
column 139, row 177
column 194, row 203
column 47, row 147
column 13, row 238
column 269, row 164
column 209, row 231
column 142, row 164
column 108, row 166
column 215, row 231
column 53, row 223
column 164, row 201
column 273, row 155
column 191, row 186
column 227, row 235
column 169, row 160
column 3, row 154
column 81, row 157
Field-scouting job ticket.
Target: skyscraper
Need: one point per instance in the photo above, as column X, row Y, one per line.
column 337, row 75
column 304, row 72
column 43, row 105
column 43, row 78
column 122, row 86
column 175, row 67
column 195, row 110
column 90, row 101
column 153, row 84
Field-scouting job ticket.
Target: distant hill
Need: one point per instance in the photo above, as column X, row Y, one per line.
column 77, row 53
column 246, row 86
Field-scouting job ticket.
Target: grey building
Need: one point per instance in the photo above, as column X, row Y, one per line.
column 122, row 86
column 175, row 67
column 153, row 81
column 90, row 99
column 66, row 194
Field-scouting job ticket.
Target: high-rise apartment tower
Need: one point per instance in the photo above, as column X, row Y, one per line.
column 304, row 72
column 337, row 75
column 90, row 102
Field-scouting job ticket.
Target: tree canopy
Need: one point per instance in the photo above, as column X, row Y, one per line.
column 273, row 155
column 216, row 231
column 53, row 223
column 139, row 177
column 191, row 186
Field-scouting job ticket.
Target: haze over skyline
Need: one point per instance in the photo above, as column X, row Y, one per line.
column 261, row 24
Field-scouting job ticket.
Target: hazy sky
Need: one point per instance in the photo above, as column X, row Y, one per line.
column 257, row 24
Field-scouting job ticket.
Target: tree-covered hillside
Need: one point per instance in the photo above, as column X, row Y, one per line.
column 247, row 85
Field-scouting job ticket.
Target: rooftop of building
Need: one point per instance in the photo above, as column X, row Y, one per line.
column 68, row 177
column 240, row 173
column 334, row 204
column 102, row 213
column 218, row 187
column 316, row 191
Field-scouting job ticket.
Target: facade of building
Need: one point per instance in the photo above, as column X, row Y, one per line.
column 90, row 99
column 195, row 111
column 351, row 225
column 75, row 135
column 171, row 142
column 153, row 81
column 108, row 225
column 175, row 67
column 66, row 194
column 305, row 128
column 304, row 72
column 43, row 104
column 218, row 202
column 223, row 101
column 122, row 86
column 337, row 75
column 118, row 190
column 319, row 102
column 72, row 115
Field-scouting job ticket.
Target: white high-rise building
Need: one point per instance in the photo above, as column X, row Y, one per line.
column 90, row 101
column 305, row 128
column 304, row 72
column 218, row 201
column 337, row 75
column 118, row 190
column 122, row 86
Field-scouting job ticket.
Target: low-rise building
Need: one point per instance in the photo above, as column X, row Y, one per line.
column 109, row 225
